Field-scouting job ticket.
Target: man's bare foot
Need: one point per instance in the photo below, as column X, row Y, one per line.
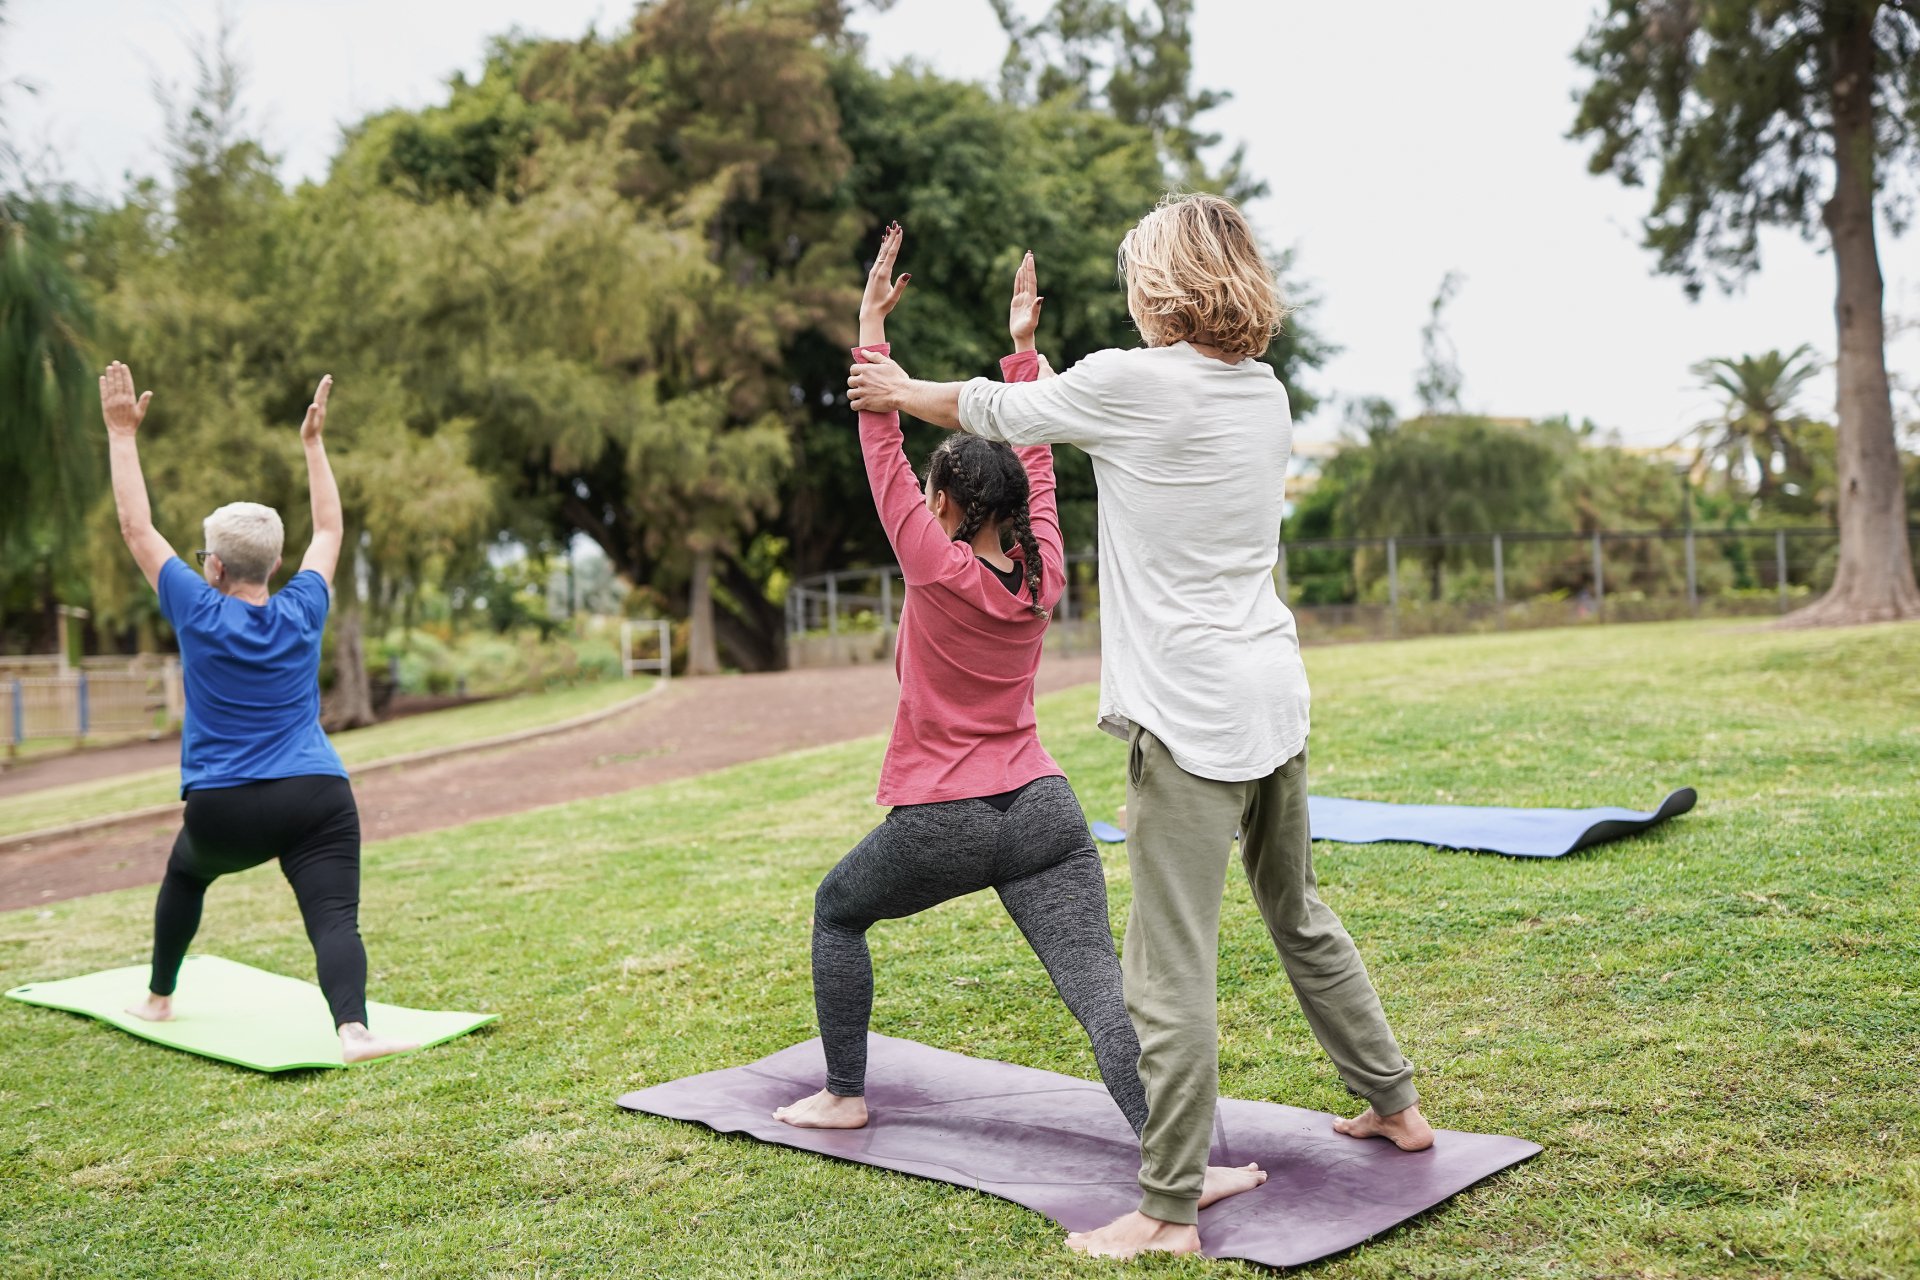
column 1135, row 1234
column 357, row 1044
column 824, row 1110
column 1407, row 1130
column 153, row 1008
column 1224, row 1180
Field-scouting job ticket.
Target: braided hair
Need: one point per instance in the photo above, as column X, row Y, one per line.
column 987, row 482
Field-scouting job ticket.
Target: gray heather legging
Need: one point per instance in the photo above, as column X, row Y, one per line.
column 1039, row 858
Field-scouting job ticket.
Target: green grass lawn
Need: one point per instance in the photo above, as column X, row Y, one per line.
column 53, row 806
column 1714, row 1030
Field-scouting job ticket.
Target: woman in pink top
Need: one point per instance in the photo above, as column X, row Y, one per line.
column 977, row 802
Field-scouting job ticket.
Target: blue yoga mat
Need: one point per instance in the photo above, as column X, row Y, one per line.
column 1519, row 833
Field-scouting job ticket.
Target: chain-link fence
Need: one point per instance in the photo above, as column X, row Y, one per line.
column 1375, row 588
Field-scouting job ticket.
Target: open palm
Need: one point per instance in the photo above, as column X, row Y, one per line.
column 883, row 291
column 1023, row 316
column 315, row 422
column 123, row 413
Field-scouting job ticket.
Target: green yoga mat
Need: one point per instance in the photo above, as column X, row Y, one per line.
column 239, row 1014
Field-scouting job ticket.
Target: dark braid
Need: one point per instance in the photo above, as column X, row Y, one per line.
column 987, row 482
column 973, row 521
column 1030, row 548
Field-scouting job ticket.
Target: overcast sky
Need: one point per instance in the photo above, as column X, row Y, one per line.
column 1400, row 141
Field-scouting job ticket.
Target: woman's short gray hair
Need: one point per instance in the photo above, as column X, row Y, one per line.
column 247, row 537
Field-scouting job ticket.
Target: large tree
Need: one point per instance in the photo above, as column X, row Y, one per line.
column 661, row 218
column 1132, row 59
column 1793, row 113
column 373, row 288
column 657, row 358
column 717, row 120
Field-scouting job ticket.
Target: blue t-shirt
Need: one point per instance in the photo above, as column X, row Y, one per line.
column 252, row 677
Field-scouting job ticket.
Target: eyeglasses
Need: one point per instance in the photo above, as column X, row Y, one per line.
column 200, row 557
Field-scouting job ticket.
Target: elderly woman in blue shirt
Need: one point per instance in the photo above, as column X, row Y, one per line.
column 259, row 776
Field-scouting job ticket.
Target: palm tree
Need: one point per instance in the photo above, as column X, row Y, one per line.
column 48, row 464
column 48, row 451
column 1758, row 432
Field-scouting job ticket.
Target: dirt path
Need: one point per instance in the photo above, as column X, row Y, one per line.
column 89, row 766
column 18, row 777
column 693, row 727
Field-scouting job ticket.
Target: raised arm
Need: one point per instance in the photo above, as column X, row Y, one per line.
column 1028, row 365
column 922, row 547
column 329, row 526
column 881, row 386
column 123, row 415
column 925, row 552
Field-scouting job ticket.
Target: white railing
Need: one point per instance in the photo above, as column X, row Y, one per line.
column 661, row 663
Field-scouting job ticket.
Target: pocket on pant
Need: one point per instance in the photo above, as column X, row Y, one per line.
column 1137, row 756
column 1294, row 767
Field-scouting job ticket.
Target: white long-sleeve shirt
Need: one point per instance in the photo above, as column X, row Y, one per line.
column 1190, row 454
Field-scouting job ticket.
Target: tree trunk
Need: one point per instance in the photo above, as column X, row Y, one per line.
column 1874, row 581
column 352, row 691
column 752, row 629
column 703, row 656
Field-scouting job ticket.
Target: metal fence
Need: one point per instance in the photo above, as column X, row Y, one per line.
column 633, row 658
column 102, row 697
column 1375, row 588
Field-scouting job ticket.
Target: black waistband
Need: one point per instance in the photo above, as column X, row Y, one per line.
column 1004, row 801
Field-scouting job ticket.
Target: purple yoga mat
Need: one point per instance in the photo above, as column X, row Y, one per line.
column 1058, row 1146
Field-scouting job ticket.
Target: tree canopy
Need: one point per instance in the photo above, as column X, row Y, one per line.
column 605, row 288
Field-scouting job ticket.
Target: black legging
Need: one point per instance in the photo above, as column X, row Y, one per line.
column 312, row 826
column 1036, row 854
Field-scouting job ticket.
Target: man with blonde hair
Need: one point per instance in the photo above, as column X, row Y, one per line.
column 1200, row 673
column 259, row 776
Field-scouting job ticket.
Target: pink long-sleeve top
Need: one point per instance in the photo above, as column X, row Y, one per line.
column 968, row 649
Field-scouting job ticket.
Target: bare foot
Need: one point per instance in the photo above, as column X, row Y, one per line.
column 824, row 1110
column 1223, row 1181
column 153, row 1008
column 357, row 1044
column 1407, row 1130
column 1135, row 1234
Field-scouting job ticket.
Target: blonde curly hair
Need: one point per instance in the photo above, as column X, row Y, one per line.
column 1195, row 273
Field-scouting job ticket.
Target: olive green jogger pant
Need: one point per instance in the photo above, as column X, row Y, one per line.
column 1180, row 830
